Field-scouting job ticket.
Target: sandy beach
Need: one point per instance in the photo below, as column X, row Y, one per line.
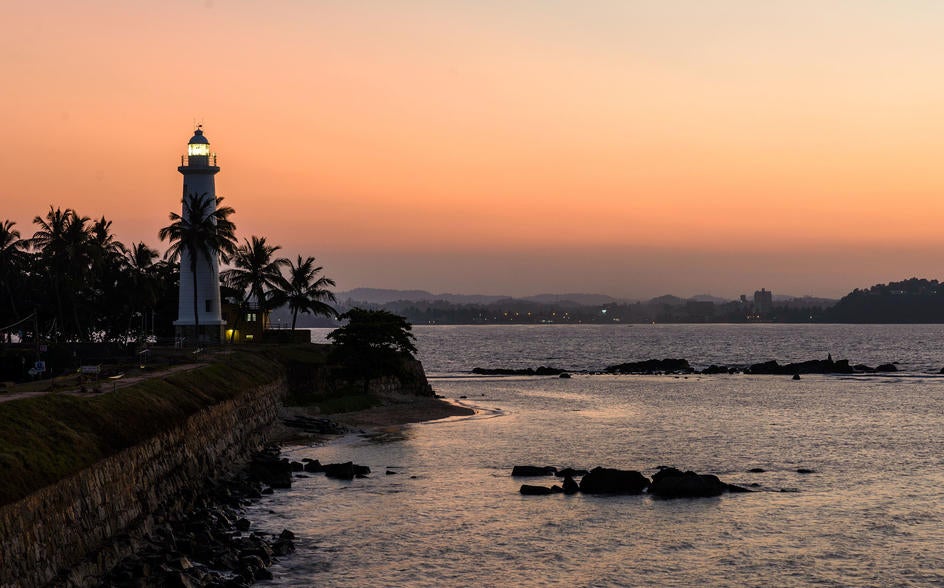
column 394, row 412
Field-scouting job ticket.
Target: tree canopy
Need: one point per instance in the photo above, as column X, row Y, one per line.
column 372, row 343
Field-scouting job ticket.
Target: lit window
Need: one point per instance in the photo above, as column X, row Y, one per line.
column 198, row 149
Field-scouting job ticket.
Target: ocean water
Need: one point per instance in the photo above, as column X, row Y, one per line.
column 870, row 514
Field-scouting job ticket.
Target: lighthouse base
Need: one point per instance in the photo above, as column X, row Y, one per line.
column 187, row 335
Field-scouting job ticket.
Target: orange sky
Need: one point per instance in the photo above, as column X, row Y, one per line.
column 630, row 148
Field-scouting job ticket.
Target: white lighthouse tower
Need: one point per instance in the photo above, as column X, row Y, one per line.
column 198, row 168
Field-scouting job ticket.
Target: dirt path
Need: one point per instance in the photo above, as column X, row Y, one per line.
column 105, row 384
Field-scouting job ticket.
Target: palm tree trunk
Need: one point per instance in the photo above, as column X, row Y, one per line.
column 196, row 316
column 294, row 316
column 55, row 287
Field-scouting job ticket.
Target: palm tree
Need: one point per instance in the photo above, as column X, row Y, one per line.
column 306, row 292
column 12, row 258
column 202, row 232
column 139, row 262
column 63, row 241
column 257, row 272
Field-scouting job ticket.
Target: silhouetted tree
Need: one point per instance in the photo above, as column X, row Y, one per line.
column 372, row 343
column 13, row 261
column 204, row 233
column 306, row 292
column 257, row 273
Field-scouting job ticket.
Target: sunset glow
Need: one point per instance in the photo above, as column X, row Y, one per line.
column 631, row 148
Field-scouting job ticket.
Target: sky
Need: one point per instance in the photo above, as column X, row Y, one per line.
column 632, row 148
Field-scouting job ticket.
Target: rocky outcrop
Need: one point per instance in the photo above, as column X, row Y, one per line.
column 651, row 366
column 541, row 371
column 529, row 490
column 668, row 482
column 673, row 483
column 345, row 471
column 813, row 366
column 612, row 481
column 530, row 470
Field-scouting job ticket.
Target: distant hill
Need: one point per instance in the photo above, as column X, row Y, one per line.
column 422, row 307
column 709, row 298
column 915, row 300
column 572, row 299
column 668, row 299
column 386, row 296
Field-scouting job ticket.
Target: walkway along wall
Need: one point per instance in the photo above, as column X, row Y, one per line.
column 68, row 527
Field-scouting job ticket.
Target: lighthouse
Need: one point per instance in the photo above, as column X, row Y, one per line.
column 199, row 167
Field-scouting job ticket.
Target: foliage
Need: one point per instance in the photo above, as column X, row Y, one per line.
column 909, row 301
column 84, row 285
column 374, row 330
column 255, row 278
column 202, row 232
column 306, row 292
column 372, row 343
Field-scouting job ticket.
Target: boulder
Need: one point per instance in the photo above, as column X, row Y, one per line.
column 530, row 470
column 672, row 483
column 887, row 367
column 529, row 490
column 340, row 471
column 271, row 470
column 313, row 466
column 570, row 486
column 611, row 481
column 571, row 472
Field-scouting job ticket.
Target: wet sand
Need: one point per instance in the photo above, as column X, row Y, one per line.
column 394, row 412
column 411, row 410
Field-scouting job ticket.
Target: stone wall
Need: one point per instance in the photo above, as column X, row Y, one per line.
column 66, row 533
column 308, row 383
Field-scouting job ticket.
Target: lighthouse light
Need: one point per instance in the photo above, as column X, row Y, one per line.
column 198, row 149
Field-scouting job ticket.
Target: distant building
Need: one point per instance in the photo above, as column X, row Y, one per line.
column 763, row 303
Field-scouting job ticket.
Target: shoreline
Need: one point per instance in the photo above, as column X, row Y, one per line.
column 396, row 411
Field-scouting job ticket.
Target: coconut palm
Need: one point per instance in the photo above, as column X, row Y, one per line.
column 204, row 233
column 306, row 292
column 62, row 241
column 142, row 277
column 12, row 261
column 257, row 273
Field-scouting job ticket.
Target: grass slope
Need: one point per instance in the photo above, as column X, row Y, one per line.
column 47, row 438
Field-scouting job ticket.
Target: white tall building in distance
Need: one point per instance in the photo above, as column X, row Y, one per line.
column 199, row 168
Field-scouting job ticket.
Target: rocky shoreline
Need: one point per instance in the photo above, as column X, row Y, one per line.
column 680, row 366
column 212, row 544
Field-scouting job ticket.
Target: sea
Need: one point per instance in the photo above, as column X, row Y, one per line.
column 441, row 508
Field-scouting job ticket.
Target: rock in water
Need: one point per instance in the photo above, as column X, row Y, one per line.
column 611, row 481
column 529, row 470
column 340, row 471
column 529, row 490
column 672, row 483
column 570, row 487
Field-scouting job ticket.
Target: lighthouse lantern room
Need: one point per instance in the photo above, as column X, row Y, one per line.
column 199, row 168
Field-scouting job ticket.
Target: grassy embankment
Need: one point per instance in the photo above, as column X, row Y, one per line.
column 44, row 439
